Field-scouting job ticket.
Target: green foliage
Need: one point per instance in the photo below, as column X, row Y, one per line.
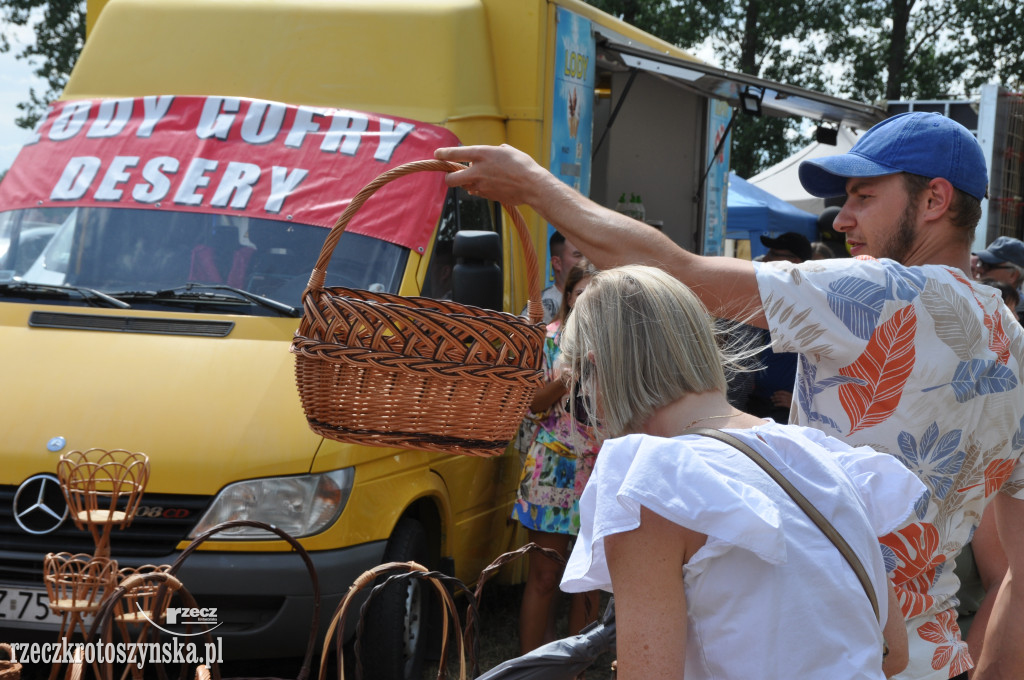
column 993, row 45
column 765, row 38
column 59, row 27
column 870, row 51
column 672, row 21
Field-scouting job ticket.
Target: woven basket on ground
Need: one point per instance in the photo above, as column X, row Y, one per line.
column 413, row 372
column 10, row 669
column 445, row 586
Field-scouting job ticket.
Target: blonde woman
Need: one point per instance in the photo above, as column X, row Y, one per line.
column 716, row 572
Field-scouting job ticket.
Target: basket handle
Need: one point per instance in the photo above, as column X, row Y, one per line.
column 472, row 623
column 307, row 659
column 397, row 569
column 316, row 279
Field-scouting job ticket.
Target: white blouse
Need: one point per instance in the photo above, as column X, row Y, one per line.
column 768, row 595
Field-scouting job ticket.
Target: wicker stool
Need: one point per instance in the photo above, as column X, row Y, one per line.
column 103, row 490
column 76, row 586
column 137, row 607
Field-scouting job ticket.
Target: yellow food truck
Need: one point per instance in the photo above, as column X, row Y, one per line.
column 158, row 230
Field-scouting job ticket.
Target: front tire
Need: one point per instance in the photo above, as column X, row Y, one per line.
column 396, row 627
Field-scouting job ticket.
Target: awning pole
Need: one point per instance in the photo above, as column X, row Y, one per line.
column 718, row 148
column 615, row 111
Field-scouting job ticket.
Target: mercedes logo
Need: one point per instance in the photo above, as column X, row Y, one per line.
column 39, row 505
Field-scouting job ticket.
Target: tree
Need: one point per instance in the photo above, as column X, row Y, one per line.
column 871, row 50
column 994, row 46
column 676, row 22
column 59, row 27
column 765, row 38
column 901, row 49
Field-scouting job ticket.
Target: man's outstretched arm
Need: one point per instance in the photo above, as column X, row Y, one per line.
column 727, row 286
column 1002, row 655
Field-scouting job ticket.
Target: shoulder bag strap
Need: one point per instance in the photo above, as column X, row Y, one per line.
column 805, row 505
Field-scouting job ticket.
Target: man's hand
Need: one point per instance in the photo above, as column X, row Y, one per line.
column 500, row 173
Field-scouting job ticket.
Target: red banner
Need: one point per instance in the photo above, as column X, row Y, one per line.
column 232, row 156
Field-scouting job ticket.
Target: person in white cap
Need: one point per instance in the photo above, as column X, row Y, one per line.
column 901, row 350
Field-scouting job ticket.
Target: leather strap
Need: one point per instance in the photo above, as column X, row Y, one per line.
column 805, row 505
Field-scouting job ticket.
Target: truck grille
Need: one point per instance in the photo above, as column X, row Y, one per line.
column 164, row 520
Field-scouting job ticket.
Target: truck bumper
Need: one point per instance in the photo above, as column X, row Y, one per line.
column 263, row 601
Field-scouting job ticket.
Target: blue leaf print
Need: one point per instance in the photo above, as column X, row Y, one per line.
column 807, row 388
column 935, row 461
column 889, row 558
column 1018, row 436
column 905, row 283
column 921, row 504
column 952, row 461
column 805, row 385
column 857, row 303
column 979, row 377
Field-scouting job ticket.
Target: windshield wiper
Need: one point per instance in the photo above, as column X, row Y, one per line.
column 200, row 291
column 88, row 294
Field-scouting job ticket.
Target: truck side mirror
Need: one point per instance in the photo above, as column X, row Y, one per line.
column 476, row 278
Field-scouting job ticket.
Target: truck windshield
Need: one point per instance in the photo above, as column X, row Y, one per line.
column 131, row 252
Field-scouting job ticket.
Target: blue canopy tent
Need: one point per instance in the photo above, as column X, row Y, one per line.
column 752, row 212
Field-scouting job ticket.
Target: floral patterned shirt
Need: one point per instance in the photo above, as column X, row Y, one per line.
column 924, row 364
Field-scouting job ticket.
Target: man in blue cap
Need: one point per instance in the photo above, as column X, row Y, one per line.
column 900, row 349
column 1003, row 261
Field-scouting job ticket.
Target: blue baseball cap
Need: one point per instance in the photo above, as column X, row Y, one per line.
column 1003, row 249
column 926, row 144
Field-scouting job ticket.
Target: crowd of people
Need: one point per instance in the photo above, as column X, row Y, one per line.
column 905, row 431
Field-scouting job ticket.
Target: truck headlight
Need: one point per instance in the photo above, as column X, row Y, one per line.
column 301, row 505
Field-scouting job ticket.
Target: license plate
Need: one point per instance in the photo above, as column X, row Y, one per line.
column 26, row 605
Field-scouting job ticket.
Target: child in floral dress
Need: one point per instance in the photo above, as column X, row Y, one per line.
column 557, row 467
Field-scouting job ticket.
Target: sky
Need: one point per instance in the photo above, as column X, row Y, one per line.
column 15, row 80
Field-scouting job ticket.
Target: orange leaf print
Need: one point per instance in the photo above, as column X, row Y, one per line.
column 912, row 601
column 916, row 547
column 962, row 279
column 998, row 342
column 950, row 649
column 996, row 474
column 884, row 368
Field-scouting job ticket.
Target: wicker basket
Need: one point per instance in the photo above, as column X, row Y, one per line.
column 413, row 372
column 10, row 669
column 447, row 587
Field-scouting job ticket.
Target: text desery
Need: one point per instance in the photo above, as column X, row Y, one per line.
column 209, row 181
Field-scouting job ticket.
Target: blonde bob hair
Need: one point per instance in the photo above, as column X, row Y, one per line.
column 639, row 339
